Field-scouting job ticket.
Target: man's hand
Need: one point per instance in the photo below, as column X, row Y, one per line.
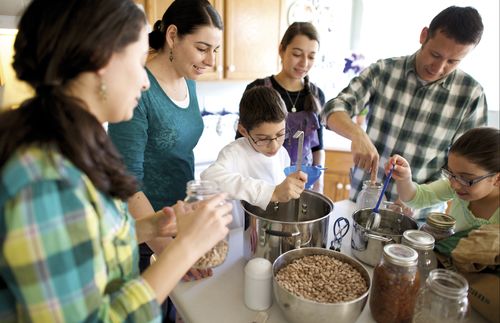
column 365, row 154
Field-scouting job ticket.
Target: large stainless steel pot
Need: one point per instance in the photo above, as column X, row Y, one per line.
column 367, row 245
column 286, row 226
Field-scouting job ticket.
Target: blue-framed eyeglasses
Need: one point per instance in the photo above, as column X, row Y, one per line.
column 463, row 181
column 266, row 142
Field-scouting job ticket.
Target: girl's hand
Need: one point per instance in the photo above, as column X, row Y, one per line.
column 291, row 188
column 402, row 170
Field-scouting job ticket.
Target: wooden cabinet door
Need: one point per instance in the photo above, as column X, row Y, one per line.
column 155, row 9
column 252, row 38
column 337, row 175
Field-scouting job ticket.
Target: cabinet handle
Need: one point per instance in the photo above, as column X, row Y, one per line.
column 231, row 68
column 348, row 187
column 339, row 186
column 219, row 68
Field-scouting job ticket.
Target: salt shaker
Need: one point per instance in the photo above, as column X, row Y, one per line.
column 258, row 284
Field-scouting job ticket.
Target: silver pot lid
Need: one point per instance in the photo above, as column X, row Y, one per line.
column 420, row 240
column 400, row 255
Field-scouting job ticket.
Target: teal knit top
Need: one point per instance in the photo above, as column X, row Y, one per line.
column 157, row 143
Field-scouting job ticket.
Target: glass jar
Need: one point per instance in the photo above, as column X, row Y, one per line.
column 439, row 225
column 423, row 243
column 443, row 299
column 198, row 190
column 369, row 195
column 395, row 285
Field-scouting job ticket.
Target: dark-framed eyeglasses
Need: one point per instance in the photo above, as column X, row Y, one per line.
column 463, row 181
column 266, row 142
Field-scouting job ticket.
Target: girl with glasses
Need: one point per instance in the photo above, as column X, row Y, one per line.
column 471, row 180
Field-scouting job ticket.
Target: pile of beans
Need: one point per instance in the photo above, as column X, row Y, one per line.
column 214, row 256
column 322, row 279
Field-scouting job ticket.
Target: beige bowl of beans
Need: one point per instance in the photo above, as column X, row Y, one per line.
column 319, row 285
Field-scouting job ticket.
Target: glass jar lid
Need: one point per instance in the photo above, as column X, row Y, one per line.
column 401, row 255
column 420, row 240
column 440, row 220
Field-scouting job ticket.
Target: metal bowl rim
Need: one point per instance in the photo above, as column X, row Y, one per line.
column 322, row 196
column 322, row 251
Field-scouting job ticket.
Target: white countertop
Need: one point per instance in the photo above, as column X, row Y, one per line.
column 219, row 299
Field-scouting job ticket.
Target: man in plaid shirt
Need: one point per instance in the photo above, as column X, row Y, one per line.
column 418, row 104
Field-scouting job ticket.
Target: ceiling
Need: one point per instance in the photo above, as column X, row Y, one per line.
column 12, row 7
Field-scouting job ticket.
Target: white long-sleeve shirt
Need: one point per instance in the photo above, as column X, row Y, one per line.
column 245, row 174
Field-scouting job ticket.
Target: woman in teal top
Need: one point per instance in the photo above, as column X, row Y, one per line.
column 68, row 245
column 157, row 144
column 471, row 180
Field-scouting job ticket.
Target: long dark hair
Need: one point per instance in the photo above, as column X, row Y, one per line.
column 187, row 16
column 463, row 24
column 311, row 102
column 57, row 40
column 481, row 146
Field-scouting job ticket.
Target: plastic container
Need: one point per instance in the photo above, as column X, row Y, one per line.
column 258, row 284
column 423, row 243
column 198, row 190
column 443, row 299
column 439, row 225
column 395, row 285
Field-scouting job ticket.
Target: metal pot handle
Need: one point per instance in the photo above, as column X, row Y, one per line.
column 379, row 238
column 282, row 233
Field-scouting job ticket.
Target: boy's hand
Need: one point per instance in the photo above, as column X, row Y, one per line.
column 402, row 170
column 290, row 188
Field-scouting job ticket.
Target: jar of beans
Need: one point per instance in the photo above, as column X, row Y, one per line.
column 395, row 285
column 198, row 190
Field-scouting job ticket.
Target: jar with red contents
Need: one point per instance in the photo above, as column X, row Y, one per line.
column 395, row 285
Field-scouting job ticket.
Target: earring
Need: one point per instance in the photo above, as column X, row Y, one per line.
column 171, row 56
column 103, row 90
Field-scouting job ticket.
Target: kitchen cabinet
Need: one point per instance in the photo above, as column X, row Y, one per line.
column 252, row 36
column 252, row 31
column 337, row 175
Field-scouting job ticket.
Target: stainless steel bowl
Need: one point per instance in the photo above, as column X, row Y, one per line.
column 299, row 310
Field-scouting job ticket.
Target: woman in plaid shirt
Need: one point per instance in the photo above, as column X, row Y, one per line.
column 68, row 243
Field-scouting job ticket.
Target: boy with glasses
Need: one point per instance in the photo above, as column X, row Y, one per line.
column 251, row 168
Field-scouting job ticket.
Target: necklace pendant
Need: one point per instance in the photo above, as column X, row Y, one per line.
column 293, row 109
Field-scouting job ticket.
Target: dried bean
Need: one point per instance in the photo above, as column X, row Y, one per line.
column 323, row 279
column 214, row 256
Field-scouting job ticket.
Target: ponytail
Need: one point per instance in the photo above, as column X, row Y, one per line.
column 311, row 101
column 157, row 36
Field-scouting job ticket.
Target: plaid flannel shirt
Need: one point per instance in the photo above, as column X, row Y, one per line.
column 406, row 117
column 68, row 252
